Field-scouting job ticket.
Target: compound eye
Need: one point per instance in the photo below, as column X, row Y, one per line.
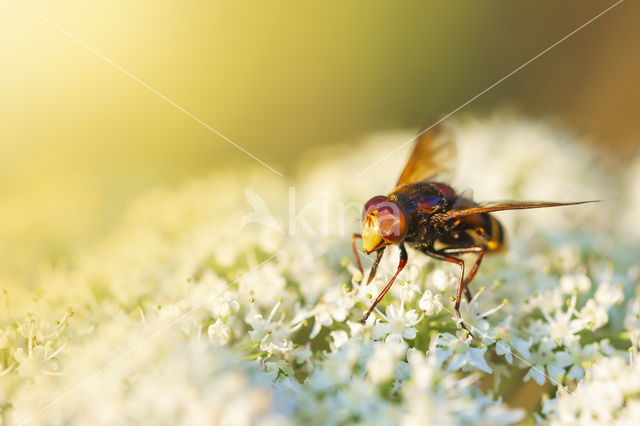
column 373, row 205
column 392, row 222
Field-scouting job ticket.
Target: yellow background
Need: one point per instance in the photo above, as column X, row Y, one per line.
column 80, row 139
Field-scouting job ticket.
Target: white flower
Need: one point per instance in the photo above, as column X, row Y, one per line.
column 382, row 364
column 430, row 304
column 568, row 256
column 321, row 319
column 219, row 333
column 570, row 283
column 359, row 330
column 302, row 354
column 549, row 301
column 396, row 324
column 337, row 368
column 225, row 305
column 7, row 338
column 461, row 352
column 334, row 306
column 269, row 283
column 340, row 337
column 561, row 328
column 581, row 357
column 632, row 317
column 411, row 289
column 608, row 295
column 594, row 315
column 422, row 369
column 504, row 336
column 442, row 279
column 271, row 335
column 520, row 345
column 607, row 395
column 545, row 362
column 37, row 361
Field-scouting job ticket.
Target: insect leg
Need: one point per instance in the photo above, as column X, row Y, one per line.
column 401, row 265
column 473, row 274
column 443, row 256
column 467, row 292
column 374, row 267
column 480, row 250
column 355, row 252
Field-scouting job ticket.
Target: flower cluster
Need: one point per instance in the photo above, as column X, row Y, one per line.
column 608, row 394
column 190, row 315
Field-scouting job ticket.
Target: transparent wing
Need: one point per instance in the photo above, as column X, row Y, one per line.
column 432, row 158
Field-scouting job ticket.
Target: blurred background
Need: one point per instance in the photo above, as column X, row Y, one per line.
column 81, row 139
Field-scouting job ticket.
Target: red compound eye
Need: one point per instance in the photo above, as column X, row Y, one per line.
column 373, row 205
column 392, row 221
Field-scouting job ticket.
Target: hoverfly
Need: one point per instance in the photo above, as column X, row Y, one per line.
column 428, row 215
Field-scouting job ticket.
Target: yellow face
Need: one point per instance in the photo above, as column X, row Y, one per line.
column 371, row 237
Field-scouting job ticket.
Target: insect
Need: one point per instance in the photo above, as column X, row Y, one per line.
column 428, row 215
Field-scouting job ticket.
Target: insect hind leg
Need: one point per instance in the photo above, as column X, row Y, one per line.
column 467, row 293
column 446, row 255
column 441, row 255
column 478, row 249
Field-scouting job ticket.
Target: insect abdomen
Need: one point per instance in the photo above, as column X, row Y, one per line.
column 497, row 240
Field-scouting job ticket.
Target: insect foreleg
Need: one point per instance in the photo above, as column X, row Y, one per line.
column 374, row 267
column 401, row 265
column 355, row 252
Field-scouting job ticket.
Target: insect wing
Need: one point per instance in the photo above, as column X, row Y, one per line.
column 432, row 158
column 502, row 205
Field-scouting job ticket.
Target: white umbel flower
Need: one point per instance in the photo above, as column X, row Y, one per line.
column 382, row 365
column 430, row 304
column 396, row 325
column 608, row 295
column 460, row 351
column 225, row 305
column 272, row 335
column 442, row 280
column 219, row 333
